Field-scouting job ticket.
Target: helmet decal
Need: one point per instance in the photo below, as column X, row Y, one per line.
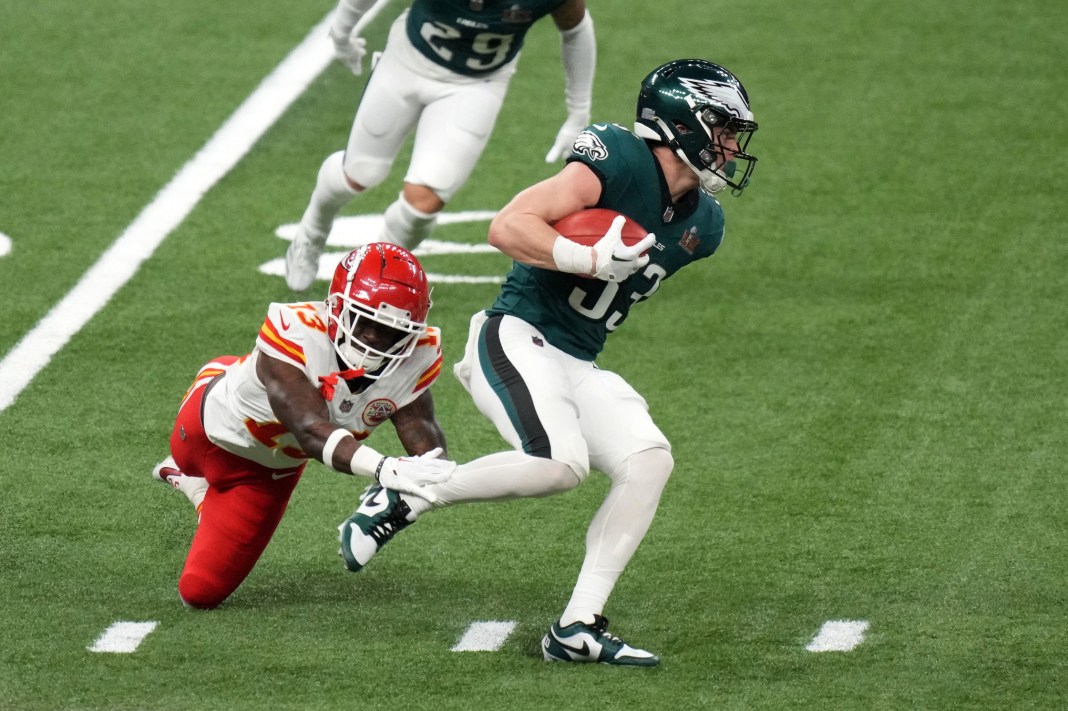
column 721, row 93
column 701, row 111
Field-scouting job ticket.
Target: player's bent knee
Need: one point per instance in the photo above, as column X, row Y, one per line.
column 366, row 173
column 573, row 473
column 651, row 467
column 557, row 476
column 200, row 593
column 422, row 200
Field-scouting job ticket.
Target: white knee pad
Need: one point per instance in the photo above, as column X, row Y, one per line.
column 405, row 226
column 366, row 172
column 332, row 180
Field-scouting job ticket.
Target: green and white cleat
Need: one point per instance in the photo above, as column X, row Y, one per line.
column 381, row 514
column 580, row 642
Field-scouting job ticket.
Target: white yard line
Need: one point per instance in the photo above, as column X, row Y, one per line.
column 838, row 636
column 485, row 636
column 122, row 637
column 169, row 208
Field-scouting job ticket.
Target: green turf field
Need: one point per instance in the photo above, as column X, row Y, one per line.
column 866, row 388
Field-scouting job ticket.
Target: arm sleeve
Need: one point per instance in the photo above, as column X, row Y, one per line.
column 578, row 52
column 348, row 13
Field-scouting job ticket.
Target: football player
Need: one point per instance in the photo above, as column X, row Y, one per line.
column 444, row 73
column 529, row 362
column 321, row 377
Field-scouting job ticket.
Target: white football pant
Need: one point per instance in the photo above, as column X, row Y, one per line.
column 572, row 416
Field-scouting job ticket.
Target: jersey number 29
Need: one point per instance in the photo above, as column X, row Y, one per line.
column 494, row 47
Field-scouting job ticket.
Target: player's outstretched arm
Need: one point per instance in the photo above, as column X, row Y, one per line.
column 301, row 408
column 578, row 53
column 298, row 405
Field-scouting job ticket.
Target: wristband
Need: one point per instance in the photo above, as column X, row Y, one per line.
column 572, row 257
column 331, row 444
column 366, row 461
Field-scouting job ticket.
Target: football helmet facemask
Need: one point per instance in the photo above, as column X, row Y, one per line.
column 383, row 283
column 697, row 108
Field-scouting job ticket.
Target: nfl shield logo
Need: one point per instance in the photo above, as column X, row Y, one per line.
column 345, row 405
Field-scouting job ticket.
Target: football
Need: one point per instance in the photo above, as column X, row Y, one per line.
column 588, row 226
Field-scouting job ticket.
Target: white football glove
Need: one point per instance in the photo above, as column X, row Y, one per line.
column 565, row 137
column 615, row 260
column 350, row 49
column 409, row 475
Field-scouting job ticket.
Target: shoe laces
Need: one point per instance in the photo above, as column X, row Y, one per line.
column 600, row 625
column 385, row 528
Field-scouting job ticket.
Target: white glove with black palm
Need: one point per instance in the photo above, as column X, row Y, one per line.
column 410, row 475
column 615, row 260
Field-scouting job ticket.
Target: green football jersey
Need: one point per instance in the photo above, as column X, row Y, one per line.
column 473, row 37
column 577, row 313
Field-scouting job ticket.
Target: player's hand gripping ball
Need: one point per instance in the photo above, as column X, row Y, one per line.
column 591, row 228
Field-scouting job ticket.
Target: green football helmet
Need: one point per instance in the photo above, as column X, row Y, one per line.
column 682, row 103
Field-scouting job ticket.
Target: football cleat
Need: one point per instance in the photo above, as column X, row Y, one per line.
column 381, row 514
column 580, row 642
column 167, row 472
column 302, row 259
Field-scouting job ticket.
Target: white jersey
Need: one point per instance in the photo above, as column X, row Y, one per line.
column 238, row 417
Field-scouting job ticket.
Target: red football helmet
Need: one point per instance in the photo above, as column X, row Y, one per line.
column 384, row 284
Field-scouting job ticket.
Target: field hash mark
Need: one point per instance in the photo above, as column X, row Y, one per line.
column 485, row 636
column 122, row 637
column 838, row 636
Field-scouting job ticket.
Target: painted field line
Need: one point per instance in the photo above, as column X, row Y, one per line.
column 122, row 637
column 485, row 636
column 838, row 636
column 169, row 208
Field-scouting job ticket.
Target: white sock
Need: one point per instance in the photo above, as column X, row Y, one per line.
column 499, row 477
column 406, row 226
column 617, row 529
column 332, row 192
column 195, row 488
